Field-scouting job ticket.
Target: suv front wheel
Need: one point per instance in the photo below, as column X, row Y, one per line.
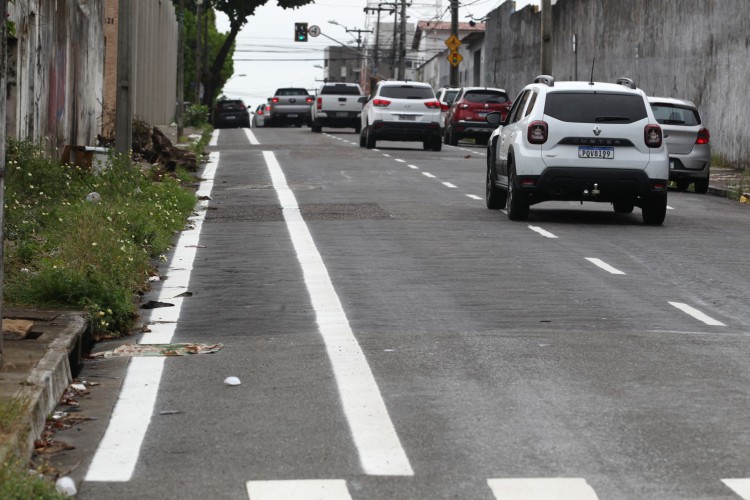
column 518, row 203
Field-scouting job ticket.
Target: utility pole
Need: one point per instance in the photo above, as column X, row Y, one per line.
column 198, row 59
column 123, row 104
column 454, row 32
column 359, row 46
column 394, row 42
column 3, row 81
column 402, row 44
column 546, row 48
column 180, row 68
column 376, row 52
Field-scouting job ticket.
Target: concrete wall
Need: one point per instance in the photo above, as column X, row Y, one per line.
column 691, row 49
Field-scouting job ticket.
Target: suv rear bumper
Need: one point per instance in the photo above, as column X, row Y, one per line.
column 589, row 184
column 405, row 131
column 472, row 129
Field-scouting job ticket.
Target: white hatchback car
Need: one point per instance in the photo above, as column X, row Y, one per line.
column 402, row 111
column 578, row 141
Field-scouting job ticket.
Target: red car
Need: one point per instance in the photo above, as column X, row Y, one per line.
column 467, row 116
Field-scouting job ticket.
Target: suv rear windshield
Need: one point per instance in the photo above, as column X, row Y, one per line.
column 407, row 92
column 339, row 90
column 221, row 105
column 670, row 114
column 449, row 96
column 486, row 96
column 595, row 107
column 285, row 92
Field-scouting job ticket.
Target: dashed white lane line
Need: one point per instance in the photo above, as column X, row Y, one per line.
column 386, row 155
column 427, row 174
column 306, row 489
column 473, row 197
column 214, row 138
column 251, row 137
column 739, row 486
column 543, row 232
column 399, row 160
column 414, row 167
column 670, row 208
column 449, row 185
column 603, row 265
column 117, row 454
column 373, row 433
column 700, row 316
column 542, row 488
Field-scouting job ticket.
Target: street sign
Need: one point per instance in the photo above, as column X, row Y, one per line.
column 455, row 58
column 313, row 30
column 453, row 43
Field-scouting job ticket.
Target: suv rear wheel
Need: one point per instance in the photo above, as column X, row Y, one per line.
column 370, row 138
column 494, row 197
column 518, row 203
column 701, row 186
column 654, row 209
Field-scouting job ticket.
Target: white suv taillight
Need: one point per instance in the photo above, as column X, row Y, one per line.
column 703, row 136
column 537, row 132
column 432, row 104
column 381, row 103
column 652, row 135
column 319, row 104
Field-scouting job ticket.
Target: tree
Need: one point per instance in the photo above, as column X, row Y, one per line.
column 238, row 12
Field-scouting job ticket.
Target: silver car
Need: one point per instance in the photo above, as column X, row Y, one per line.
column 688, row 142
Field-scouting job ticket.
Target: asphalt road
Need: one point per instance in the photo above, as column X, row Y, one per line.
column 400, row 341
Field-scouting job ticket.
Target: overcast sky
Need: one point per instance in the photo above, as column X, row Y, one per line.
column 269, row 57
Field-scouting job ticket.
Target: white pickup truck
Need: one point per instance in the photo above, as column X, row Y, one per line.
column 337, row 105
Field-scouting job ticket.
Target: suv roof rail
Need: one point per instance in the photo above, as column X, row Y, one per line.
column 626, row 82
column 546, row 80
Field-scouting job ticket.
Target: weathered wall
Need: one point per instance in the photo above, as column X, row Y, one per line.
column 691, row 49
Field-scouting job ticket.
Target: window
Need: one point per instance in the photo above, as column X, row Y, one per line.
column 672, row 114
column 532, row 101
column 488, row 96
column 595, row 107
column 515, row 111
column 407, row 92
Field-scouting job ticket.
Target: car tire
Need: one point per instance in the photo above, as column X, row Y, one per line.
column 701, row 186
column 623, row 207
column 494, row 197
column 453, row 139
column 682, row 184
column 445, row 136
column 437, row 144
column 357, row 128
column 370, row 139
column 362, row 138
column 427, row 145
column 316, row 128
column 654, row 209
column 517, row 202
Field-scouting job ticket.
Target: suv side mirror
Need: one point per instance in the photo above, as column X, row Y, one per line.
column 362, row 99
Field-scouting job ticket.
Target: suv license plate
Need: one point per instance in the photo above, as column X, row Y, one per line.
column 408, row 118
column 593, row 152
column 293, row 115
column 342, row 114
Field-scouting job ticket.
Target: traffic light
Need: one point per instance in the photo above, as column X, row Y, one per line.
column 300, row 32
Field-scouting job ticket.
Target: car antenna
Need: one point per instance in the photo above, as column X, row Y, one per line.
column 591, row 81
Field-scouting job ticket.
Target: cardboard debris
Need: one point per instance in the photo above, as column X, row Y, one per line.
column 158, row 350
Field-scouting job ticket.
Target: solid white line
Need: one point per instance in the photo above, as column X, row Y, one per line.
column 251, row 136
column 542, row 488
column 427, row 174
column 379, row 448
column 414, row 167
column 739, row 486
column 117, row 454
column 697, row 314
column 600, row 263
column 448, row 184
column 473, row 197
column 214, row 137
column 541, row 231
column 307, row 489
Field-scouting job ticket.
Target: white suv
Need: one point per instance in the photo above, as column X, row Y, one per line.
column 402, row 111
column 578, row 141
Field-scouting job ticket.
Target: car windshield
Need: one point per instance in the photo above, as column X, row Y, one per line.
column 672, row 114
column 407, row 92
column 595, row 107
column 230, row 105
column 486, row 96
column 288, row 92
column 450, row 96
column 340, row 90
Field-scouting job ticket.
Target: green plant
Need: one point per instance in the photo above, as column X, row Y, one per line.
column 196, row 115
column 19, row 483
column 65, row 251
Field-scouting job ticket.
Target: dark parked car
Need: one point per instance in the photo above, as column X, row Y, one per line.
column 467, row 118
column 231, row 113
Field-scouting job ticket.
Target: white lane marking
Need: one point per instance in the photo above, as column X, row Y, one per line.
column 251, row 137
column 214, row 137
column 427, row 174
column 670, row 208
column 697, row 314
column 739, row 486
column 307, row 489
column 379, row 448
column 473, row 197
column 399, row 160
column 600, row 263
column 541, row 231
column 542, row 488
column 117, row 454
column 448, row 184
column 386, row 155
column 414, row 167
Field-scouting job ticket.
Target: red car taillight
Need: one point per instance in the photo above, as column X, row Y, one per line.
column 381, row 103
column 703, row 136
column 444, row 107
column 432, row 104
column 309, row 100
column 652, row 135
column 275, row 100
column 259, row 112
column 320, row 103
column 537, row 132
